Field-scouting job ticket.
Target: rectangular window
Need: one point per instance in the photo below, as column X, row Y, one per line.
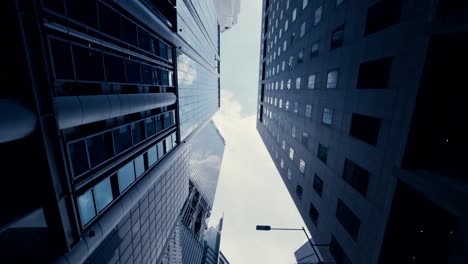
column 139, row 166
column 332, row 79
column 126, row 176
column 299, row 192
column 315, row 50
column 303, row 27
column 311, row 83
column 322, row 153
column 286, row 25
column 286, row 105
column 100, row 148
column 383, row 14
column 348, row 219
column 78, row 157
column 288, row 84
column 289, row 174
column 280, row 103
column 338, row 253
column 302, row 166
column 62, row 59
column 294, row 13
column 318, row 185
column 293, row 131
column 282, row 163
column 356, row 176
column 365, row 128
column 374, row 74
column 318, row 15
column 283, row 145
column 300, row 57
column 298, row 83
column 327, row 116
column 308, row 110
column 291, row 153
column 103, row 194
column 313, row 214
column 282, row 82
column 152, row 155
column 337, row 37
column 115, row 69
column 305, row 139
column 122, row 138
column 86, row 206
column 88, row 64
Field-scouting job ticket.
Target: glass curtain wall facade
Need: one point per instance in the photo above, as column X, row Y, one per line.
column 104, row 114
column 357, row 131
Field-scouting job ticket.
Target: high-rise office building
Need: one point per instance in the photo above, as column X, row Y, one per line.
column 222, row 258
column 211, row 250
column 105, row 99
column 205, row 165
column 360, row 108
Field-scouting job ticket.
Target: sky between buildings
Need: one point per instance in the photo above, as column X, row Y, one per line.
column 250, row 190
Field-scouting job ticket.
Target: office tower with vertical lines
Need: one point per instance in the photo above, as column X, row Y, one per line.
column 360, row 108
column 105, row 99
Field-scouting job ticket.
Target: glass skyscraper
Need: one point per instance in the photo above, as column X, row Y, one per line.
column 360, row 109
column 96, row 130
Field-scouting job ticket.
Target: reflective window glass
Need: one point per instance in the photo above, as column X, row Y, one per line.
column 100, row 148
column 139, row 166
column 86, row 206
column 126, row 175
column 103, row 194
column 78, row 156
column 122, row 139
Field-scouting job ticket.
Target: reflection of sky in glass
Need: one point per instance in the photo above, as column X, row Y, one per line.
column 85, row 203
column 207, row 150
column 152, row 155
column 126, row 176
column 139, row 166
column 103, row 194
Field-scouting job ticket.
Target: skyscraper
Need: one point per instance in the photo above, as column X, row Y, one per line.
column 95, row 131
column 359, row 108
column 211, row 250
column 204, row 168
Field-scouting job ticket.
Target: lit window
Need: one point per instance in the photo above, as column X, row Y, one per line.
column 280, row 103
column 282, row 163
column 291, row 60
column 304, row 3
column 298, row 83
column 296, row 107
column 294, row 14
column 283, row 66
column 276, row 85
column 280, row 32
column 302, row 166
column 277, row 69
column 311, row 83
column 282, row 84
column 291, row 153
column 308, row 110
column 289, row 174
column 315, row 50
column 286, row 25
column 288, row 85
column 303, row 27
column 327, row 116
column 300, row 56
column 283, row 145
column 293, row 132
column 287, row 5
column 281, row 14
column 318, row 15
column 286, row 105
column 332, row 79
column 275, row 102
column 284, row 45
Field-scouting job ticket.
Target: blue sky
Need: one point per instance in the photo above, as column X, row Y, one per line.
column 250, row 190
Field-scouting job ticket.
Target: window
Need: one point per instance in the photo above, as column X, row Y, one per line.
column 281, row 14
column 300, row 57
column 284, row 49
column 139, row 166
column 308, row 110
column 305, row 139
column 280, row 103
column 382, row 14
column 122, row 138
column 291, row 153
column 315, row 50
column 288, row 84
column 293, row 132
column 78, row 157
column 338, row 2
column 294, row 14
column 318, row 185
column 287, row 5
column 318, row 15
column 280, row 33
column 302, row 166
column 103, row 194
column 313, row 214
column 365, row 128
column 286, row 25
column 152, row 156
column 100, row 148
column 86, row 205
column 303, row 27
column 132, row 70
column 338, row 253
column 374, row 74
column 286, row 105
column 283, row 145
column 356, row 176
column 348, row 219
column 291, row 60
column 283, row 65
column 289, row 174
column 332, row 79
column 298, row 83
column 296, row 107
column 322, row 153
column 276, row 86
column 304, row 3
column 126, row 175
column 337, row 37
column 62, row 59
column 299, row 192
column 282, row 163
column 88, row 64
column 275, row 102
column 282, row 82
column 327, row 116
column 311, row 83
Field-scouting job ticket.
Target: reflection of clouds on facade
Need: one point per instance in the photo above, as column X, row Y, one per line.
column 186, row 70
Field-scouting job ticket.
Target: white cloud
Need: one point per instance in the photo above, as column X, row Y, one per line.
column 250, row 192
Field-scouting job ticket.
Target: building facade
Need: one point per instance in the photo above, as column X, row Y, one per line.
column 211, row 250
column 358, row 108
column 222, row 259
column 108, row 96
column 204, row 169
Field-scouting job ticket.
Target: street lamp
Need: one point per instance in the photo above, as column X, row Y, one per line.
column 268, row 228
